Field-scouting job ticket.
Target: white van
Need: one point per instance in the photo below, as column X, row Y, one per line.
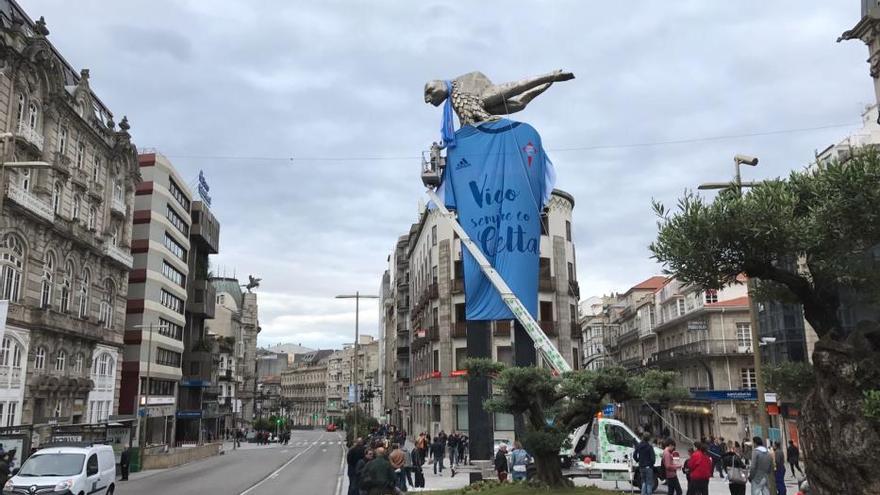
column 76, row 470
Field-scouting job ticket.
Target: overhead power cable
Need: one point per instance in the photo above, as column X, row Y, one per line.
column 594, row 147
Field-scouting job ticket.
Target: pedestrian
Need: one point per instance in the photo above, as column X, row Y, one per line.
column 644, row 455
column 519, row 462
column 377, row 477
column 437, row 452
column 701, row 469
column 408, row 464
column 124, row 463
column 670, row 468
column 686, row 469
column 715, row 452
column 422, row 444
column 779, row 465
column 397, row 458
column 354, row 455
column 501, row 463
column 736, row 474
column 5, row 469
column 418, row 460
column 463, row 449
column 761, row 468
column 793, row 453
column 452, row 447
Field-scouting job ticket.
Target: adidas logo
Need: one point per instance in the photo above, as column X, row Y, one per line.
column 463, row 163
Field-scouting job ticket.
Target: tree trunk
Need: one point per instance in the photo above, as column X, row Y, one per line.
column 549, row 470
column 840, row 443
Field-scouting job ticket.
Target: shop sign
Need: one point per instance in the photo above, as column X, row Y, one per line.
column 721, row 395
column 728, row 420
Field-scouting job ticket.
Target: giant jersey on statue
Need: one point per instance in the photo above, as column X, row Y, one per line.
column 498, row 178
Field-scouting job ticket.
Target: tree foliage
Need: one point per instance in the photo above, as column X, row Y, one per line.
column 553, row 406
column 791, row 380
column 811, row 235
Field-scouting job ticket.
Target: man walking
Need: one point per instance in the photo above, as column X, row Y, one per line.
column 794, row 461
column 779, row 462
column 397, row 458
column 644, row 455
column 355, row 454
column 125, row 462
column 761, row 468
column 437, row 452
column 453, row 449
column 670, row 468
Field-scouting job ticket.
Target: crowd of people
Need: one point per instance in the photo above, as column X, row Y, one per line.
column 740, row 464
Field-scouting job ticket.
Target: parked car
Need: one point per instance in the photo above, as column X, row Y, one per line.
column 66, row 469
column 331, row 427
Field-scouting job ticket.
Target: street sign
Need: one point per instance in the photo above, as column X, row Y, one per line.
column 608, row 411
column 698, row 325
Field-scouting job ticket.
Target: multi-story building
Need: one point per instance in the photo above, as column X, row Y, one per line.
column 304, row 387
column 156, row 298
column 430, row 294
column 66, row 194
column 225, row 330
column 271, row 363
column 633, row 339
column 396, row 306
column 594, row 322
column 250, row 329
column 199, row 391
column 337, row 388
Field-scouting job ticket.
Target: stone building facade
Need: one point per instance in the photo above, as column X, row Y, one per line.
column 430, row 330
column 65, row 233
column 304, row 387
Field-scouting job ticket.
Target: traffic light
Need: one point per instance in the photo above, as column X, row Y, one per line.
column 279, row 421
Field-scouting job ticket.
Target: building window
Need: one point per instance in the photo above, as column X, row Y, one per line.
column 66, row 284
column 11, row 267
column 78, row 364
column 433, row 235
column 175, row 247
column 33, row 116
column 568, row 230
column 434, row 274
column 171, row 301
column 177, row 193
column 40, row 359
column 26, row 180
column 84, row 293
column 749, row 380
column 10, row 413
column 77, row 204
column 711, row 296
column 46, row 282
column 744, row 335
column 118, row 191
column 56, row 198
column 167, row 358
column 62, row 140
column 681, row 308
column 60, row 360
column 21, row 106
column 96, row 171
column 91, row 219
column 176, row 220
column 170, row 329
column 80, row 154
column 106, row 311
column 173, row 274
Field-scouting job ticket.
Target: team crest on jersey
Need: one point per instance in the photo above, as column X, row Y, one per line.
column 530, row 152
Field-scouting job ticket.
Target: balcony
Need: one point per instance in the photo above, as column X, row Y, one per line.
column 62, row 323
column 547, row 284
column 117, row 206
column 459, row 330
column 403, row 351
column 202, row 300
column 632, row 363
column 80, row 177
column 433, row 292
column 225, row 376
column 29, row 135
column 574, row 289
column 575, row 331
column 30, row 202
column 433, row 334
column 120, row 255
column 205, row 229
column 96, row 191
column 502, row 329
column 549, row 328
column 458, row 286
column 703, row 348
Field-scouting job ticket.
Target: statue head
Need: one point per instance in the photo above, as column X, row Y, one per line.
column 435, row 92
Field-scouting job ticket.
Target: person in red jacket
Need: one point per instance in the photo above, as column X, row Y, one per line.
column 700, row 465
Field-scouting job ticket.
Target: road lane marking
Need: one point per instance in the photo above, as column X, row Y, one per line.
column 342, row 473
column 275, row 473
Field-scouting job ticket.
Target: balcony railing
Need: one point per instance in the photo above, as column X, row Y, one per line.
column 122, row 255
column 433, row 333
column 459, row 330
column 117, row 205
column 709, row 347
column 30, row 202
column 30, row 135
column 549, row 328
column 103, row 383
column 547, row 284
column 575, row 331
column 458, row 286
column 574, row 289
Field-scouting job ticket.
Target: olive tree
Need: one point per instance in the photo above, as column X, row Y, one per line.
column 816, row 236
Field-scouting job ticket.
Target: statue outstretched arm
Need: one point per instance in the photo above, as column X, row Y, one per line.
column 501, row 92
column 517, row 103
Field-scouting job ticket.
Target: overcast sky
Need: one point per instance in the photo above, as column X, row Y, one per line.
column 223, row 85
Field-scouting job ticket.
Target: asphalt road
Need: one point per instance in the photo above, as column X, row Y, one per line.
column 311, row 463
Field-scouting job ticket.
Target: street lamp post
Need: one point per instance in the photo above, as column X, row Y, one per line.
column 763, row 416
column 357, row 296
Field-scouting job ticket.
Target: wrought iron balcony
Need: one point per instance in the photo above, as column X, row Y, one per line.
column 547, row 284
column 30, row 135
column 459, row 330
column 122, row 255
column 30, row 202
column 502, row 329
column 701, row 348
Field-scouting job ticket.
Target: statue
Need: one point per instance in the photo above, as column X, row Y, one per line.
column 476, row 99
column 253, row 283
